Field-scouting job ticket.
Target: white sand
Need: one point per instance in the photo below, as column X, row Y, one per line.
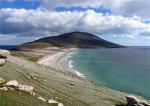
column 51, row 60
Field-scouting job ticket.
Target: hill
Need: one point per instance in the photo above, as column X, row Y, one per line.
column 73, row 39
column 51, row 83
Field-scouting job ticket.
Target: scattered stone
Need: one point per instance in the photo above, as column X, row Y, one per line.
column 56, row 97
column 32, row 93
column 3, row 56
column 2, row 81
column 134, row 101
column 45, row 80
column 51, row 101
column 20, row 87
column 71, row 83
column 4, row 53
column 13, row 83
column 10, row 88
column 60, row 104
column 25, row 88
column 3, row 61
column 34, row 77
column 4, row 88
column 41, row 98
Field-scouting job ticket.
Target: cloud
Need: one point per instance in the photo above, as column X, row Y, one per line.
column 6, row 37
column 19, row 0
column 124, row 7
column 128, row 8
column 21, row 22
column 51, row 4
column 134, row 7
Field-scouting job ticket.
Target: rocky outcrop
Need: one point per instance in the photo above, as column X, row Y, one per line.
column 20, row 87
column 2, row 61
column 26, row 88
column 134, row 101
column 4, row 53
column 12, row 83
column 3, row 57
column 2, row 81
column 4, row 88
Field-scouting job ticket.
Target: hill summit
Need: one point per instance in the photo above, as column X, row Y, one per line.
column 73, row 39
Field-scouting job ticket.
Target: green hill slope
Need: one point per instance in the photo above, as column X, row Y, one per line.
column 73, row 39
column 62, row 86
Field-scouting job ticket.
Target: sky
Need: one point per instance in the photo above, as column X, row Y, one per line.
column 126, row 22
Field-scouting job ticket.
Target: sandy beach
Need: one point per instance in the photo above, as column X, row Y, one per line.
column 52, row 59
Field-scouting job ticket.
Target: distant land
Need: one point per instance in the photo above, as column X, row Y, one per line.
column 72, row 39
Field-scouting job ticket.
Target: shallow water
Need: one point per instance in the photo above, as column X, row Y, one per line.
column 124, row 69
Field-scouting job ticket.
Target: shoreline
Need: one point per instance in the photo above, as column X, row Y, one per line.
column 66, row 86
column 54, row 59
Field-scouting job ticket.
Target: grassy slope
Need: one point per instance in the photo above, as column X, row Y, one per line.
column 53, row 83
column 72, row 39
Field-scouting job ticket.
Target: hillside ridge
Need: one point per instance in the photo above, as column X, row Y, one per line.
column 74, row 39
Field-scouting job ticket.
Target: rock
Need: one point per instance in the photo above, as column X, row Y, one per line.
column 32, row 93
column 60, row 104
column 13, row 83
column 2, row 81
column 4, row 53
column 4, row 88
column 34, row 77
column 25, row 88
column 3, row 56
column 3, row 61
column 71, row 83
column 20, row 87
column 144, row 104
column 10, row 88
column 134, row 101
column 41, row 98
column 51, row 101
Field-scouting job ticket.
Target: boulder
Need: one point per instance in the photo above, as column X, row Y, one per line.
column 25, row 88
column 20, row 87
column 134, row 101
column 4, row 53
column 2, row 81
column 4, row 88
column 41, row 98
column 3, row 61
column 13, row 83
column 60, row 104
column 51, row 101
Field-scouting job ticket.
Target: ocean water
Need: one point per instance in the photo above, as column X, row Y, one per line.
column 124, row 69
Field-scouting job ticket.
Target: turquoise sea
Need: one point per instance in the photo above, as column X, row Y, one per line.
column 124, row 69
